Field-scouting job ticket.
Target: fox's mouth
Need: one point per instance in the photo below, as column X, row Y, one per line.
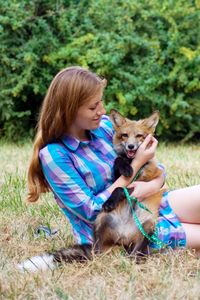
column 131, row 153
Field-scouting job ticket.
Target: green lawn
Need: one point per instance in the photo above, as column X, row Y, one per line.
column 175, row 275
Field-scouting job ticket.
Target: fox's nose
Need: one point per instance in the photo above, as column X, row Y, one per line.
column 131, row 146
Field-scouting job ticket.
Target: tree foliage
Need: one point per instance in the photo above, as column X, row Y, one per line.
column 149, row 51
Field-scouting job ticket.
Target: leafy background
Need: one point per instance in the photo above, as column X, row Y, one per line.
column 149, row 51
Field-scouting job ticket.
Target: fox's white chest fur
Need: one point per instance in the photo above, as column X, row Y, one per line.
column 122, row 223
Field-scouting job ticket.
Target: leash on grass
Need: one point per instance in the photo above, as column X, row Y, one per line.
column 154, row 237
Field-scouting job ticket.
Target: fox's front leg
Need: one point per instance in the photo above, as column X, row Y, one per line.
column 115, row 198
column 122, row 167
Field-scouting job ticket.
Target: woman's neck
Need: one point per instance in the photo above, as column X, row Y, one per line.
column 81, row 135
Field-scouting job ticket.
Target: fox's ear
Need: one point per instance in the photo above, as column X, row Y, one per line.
column 116, row 118
column 152, row 121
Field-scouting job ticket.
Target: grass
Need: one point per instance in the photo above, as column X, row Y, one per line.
column 174, row 275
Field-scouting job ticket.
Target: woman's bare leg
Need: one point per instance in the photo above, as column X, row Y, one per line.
column 186, row 205
column 192, row 232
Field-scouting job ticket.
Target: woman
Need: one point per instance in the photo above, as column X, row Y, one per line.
column 73, row 157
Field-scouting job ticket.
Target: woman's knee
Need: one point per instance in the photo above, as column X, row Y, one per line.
column 186, row 204
column 192, row 232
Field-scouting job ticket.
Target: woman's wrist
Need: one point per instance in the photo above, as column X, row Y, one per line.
column 136, row 165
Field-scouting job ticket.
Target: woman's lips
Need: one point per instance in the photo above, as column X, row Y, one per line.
column 97, row 120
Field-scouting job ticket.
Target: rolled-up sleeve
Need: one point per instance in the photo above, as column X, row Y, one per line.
column 69, row 187
column 162, row 168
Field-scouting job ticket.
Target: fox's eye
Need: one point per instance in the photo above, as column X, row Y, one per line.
column 124, row 135
column 139, row 136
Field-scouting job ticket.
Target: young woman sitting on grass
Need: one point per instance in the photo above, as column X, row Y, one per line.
column 73, row 157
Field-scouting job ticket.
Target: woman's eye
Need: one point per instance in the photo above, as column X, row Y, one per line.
column 124, row 135
column 139, row 135
column 93, row 107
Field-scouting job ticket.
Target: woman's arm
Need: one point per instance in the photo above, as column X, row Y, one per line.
column 69, row 187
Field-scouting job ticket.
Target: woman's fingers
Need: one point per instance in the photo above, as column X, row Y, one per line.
column 132, row 184
column 149, row 142
column 146, row 141
column 153, row 143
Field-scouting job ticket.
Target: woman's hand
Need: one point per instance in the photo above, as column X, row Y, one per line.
column 141, row 189
column 147, row 150
column 144, row 189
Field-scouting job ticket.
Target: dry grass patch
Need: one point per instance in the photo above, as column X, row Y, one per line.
column 173, row 275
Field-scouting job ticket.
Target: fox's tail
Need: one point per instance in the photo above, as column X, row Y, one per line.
column 49, row 261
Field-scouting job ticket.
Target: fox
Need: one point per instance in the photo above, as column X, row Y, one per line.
column 115, row 224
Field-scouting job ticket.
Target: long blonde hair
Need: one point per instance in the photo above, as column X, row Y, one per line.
column 70, row 89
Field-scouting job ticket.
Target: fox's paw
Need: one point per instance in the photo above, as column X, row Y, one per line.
column 122, row 167
column 126, row 170
column 115, row 198
column 109, row 205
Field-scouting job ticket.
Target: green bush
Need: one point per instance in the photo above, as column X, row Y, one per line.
column 149, row 51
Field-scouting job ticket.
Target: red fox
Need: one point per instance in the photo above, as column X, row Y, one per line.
column 115, row 224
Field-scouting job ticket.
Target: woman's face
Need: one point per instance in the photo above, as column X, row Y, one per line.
column 89, row 115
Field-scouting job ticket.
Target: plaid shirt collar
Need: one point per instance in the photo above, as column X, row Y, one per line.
column 73, row 143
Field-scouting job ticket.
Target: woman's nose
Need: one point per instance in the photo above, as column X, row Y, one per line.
column 101, row 110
